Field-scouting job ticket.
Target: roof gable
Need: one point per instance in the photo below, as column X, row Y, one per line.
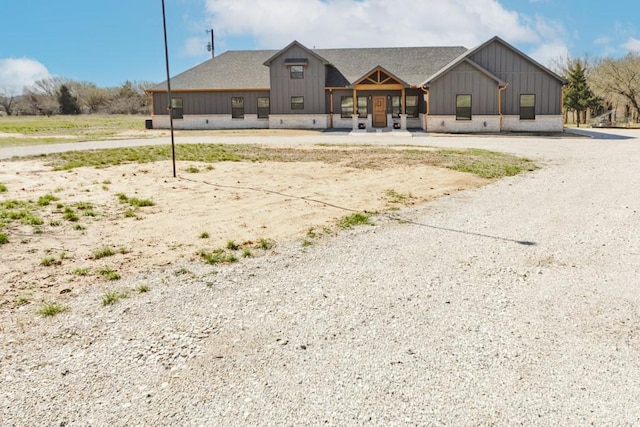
column 295, row 43
column 455, row 64
column 470, row 54
column 379, row 76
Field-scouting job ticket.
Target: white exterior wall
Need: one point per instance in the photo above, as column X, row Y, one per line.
column 540, row 124
column 476, row 124
column 422, row 122
column 211, row 121
column 341, row 122
column 415, row 122
column 299, row 121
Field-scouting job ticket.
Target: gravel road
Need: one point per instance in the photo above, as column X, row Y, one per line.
column 516, row 303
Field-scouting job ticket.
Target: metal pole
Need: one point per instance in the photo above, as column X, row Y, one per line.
column 211, row 46
column 166, row 55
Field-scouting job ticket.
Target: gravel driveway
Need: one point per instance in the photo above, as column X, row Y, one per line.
column 516, row 303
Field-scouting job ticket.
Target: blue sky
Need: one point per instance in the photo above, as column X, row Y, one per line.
column 109, row 42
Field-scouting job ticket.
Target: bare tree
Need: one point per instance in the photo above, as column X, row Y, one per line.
column 7, row 97
column 130, row 98
column 619, row 80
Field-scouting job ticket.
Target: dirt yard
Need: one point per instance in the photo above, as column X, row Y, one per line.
column 86, row 213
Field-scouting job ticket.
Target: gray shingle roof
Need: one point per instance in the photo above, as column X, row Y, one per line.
column 245, row 69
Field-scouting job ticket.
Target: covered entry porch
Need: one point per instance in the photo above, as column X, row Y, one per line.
column 378, row 102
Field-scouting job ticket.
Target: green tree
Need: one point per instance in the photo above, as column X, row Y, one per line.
column 579, row 97
column 68, row 102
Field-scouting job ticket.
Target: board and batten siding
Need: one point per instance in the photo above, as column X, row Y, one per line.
column 208, row 102
column 464, row 79
column 524, row 77
column 311, row 87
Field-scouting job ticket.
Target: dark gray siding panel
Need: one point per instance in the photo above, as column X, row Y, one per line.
column 283, row 87
column 523, row 76
column 209, row 102
column 464, row 79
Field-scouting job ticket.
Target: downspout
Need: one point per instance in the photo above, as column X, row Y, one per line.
column 500, row 90
column 427, row 100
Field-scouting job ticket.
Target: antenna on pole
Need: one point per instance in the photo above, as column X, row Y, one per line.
column 211, row 45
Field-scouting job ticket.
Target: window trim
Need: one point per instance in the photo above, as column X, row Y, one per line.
column 363, row 110
column 298, row 74
column 237, row 112
column 298, row 105
column 411, row 110
column 343, row 110
column 463, row 113
column 531, row 109
column 177, row 112
column 260, row 110
column 394, row 114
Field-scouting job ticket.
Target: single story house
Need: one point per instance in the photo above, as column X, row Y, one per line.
column 491, row 88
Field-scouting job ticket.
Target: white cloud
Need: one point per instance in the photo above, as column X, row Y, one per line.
column 195, row 47
column 548, row 54
column 362, row 23
column 632, row 44
column 16, row 73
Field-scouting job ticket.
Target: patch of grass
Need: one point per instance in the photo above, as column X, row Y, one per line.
column 84, row 206
column 134, row 201
column 47, row 199
column 183, row 271
column 143, row 288
column 192, row 169
column 139, row 203
column 395, row 197
column 306, row 243
column 31, row 219
column 109, row 274
column 79, row 227
column 218, row 256
column 232, row 246
column 103, row 252
column 485, row 163
column 3, row 188
column 106, row 181
column 49, row 309
column 49, row 261
column 4, row 239
column 130, row 214
column 81, row 271
column 70, row 215
column 20, row 301
column 311, row 233
column 264, row 244
column 55, row 223
column 91, row 127
column 358, row 218
column 112, row 297
column 246, row 253
column 204, row 235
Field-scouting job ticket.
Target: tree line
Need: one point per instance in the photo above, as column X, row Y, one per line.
column 609, row 86
column 58, row 95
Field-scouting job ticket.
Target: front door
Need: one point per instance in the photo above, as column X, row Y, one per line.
column 379, row 111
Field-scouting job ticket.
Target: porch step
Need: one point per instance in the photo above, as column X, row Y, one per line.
column 380, row 132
